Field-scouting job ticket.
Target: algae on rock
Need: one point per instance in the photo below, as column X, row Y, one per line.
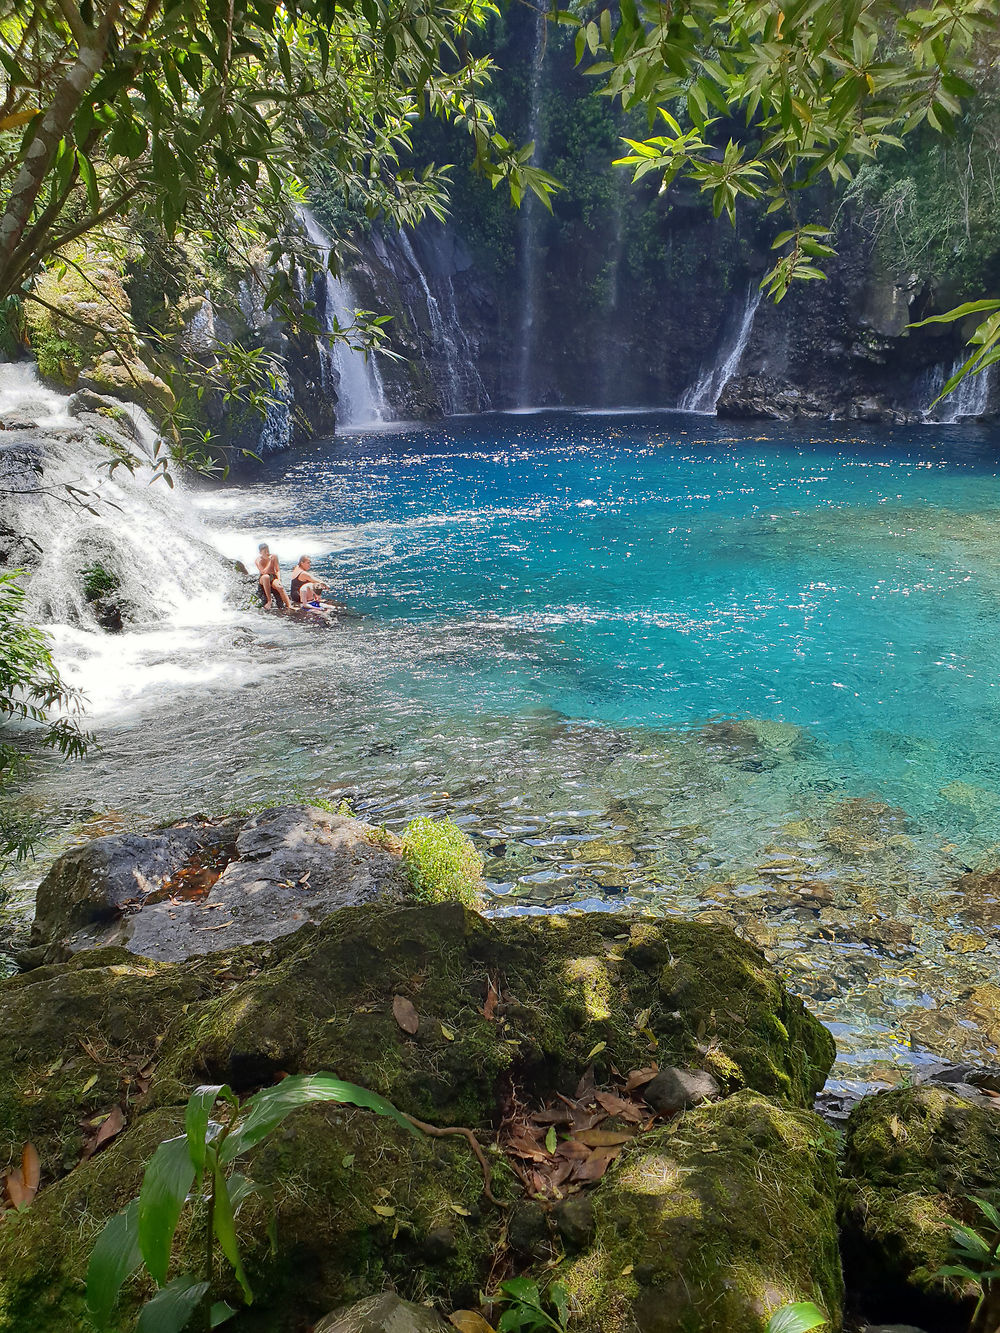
column 912, row 1156
column 711, row 1223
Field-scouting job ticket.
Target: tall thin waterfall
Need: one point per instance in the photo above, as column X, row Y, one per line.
column 704, row 394
column 526, row 387
column 360, row 391
column 453, row 365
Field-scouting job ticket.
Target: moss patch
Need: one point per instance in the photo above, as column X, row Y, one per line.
column 566, row 985
column 911, row 1158
column 708, row 1225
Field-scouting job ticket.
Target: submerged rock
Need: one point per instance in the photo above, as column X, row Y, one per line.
column 711, row 1223
column 912, row 1158
column 195, row 888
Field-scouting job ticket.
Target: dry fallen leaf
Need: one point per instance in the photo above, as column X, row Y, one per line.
column 112, row 1125
column 22, row 1182
column 601, row 1138
column 405, row 1014
column 638, row 1078
column 384, row 1211
column 492, row 997
column 468, row 1321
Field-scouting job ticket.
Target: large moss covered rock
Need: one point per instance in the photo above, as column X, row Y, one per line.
column 565, row 988
column 74, row 1039
column 912, row 1158
column 451, row 1016
column 346, row 1204
column 711, row 1223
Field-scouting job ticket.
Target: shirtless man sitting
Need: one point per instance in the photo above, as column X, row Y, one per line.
column 270, row 577
column 306, row 586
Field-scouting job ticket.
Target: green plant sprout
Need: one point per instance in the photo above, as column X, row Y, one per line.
column 527, row 1307
column 798, row 1317
column 976, row 1258
column 198, row 1165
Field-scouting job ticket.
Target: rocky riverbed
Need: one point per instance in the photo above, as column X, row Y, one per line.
column 642, row 1090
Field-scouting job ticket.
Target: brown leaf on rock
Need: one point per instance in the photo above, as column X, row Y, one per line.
column 601, row 1138
column 586, row 1087
column 468, row 1321
column 492, row 1000
column 405, row 1014
column 638, row 1078
column 21, row 1183
column 111, row 1125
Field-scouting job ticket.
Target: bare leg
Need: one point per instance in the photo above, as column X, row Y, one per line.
column 265, row 583
column 282, row 595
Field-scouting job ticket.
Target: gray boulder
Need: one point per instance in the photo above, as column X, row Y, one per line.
column 383, row 1314
column 678, row 1089
column 197, row 888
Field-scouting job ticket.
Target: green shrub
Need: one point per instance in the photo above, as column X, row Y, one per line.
column 99, row 582
column 442, row 862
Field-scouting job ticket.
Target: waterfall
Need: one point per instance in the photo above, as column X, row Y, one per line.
column 704, row 394
column 969, row 399
column 359, row 387
column 611, row 359
column 140, row 532
column 526, row 388
column 453, row 363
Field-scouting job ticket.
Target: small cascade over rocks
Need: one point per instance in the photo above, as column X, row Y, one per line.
column 704, row 394
column 104, row 547
column 970, row 399
column 346, row 371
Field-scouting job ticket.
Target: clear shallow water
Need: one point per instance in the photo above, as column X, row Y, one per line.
column 642, row 659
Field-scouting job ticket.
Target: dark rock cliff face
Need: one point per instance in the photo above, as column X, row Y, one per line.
column 626, row 297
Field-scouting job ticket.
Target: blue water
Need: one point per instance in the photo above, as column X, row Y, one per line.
column 649, row 661
column 659, row 572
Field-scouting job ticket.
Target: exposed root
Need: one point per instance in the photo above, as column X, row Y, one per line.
column 474, row 1144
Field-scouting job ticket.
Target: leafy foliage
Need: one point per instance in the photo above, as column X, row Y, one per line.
column 442, row 862
column 529, row 1308
column 976, row 1258
column 197, row 1165
column 774, row 99
column 800, row 1317
column 31, row 690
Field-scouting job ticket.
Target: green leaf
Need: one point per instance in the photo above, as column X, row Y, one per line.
column 270, row 1107
column 522, row 1289
column 115, row 1257
column 960, row 312
column 171, row 1308
column 220, row 1313
column 225, row 1230
column 550, row 1139
column 798, row 1318
column 196, row 1117
column 169, row 1176
column 559, row 1299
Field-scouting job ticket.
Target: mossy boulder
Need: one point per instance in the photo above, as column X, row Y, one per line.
column 346, row 1205
column 73, row 1040
column 568, row 990
column 912, row 1156
column 711, row 1223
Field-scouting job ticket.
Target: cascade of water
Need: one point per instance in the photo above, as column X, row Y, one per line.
column 970, row 398
column 610, row 362
column 456, row 378
column 360, row 392
column 704, row 394
column 526, row 387
column 140, row 532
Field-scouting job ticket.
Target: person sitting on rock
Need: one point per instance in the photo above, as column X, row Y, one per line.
column 306, row 586
column 270, row 577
